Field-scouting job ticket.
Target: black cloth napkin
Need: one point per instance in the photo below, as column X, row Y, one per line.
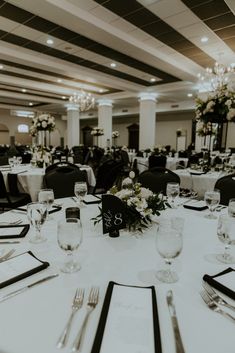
column 212, row 281
column 104, row 313
column 55, row 209
column 25, row 229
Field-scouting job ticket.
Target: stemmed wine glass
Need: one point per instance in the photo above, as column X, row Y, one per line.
column 69, row 237
column 37, row 214
column 172, row 191
column 212, row 199
column 231, row 208
column 169, row 244
column 11, row 161
column 224, row 232
column 46, row 196
column 80, row 191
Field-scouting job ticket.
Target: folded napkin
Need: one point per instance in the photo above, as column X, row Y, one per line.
column 128, row 321
column 13, row 231
column 196, row 205
column 55, row 209
column 223, row 281
column 19, row 267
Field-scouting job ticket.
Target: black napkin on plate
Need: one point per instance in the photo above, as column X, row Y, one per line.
column 25, row 229
column 214, row 283
column 55, row 209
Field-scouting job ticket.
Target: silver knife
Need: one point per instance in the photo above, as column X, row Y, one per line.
column 23, row 289
column 178, row 341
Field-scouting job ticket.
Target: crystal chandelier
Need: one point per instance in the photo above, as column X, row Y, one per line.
column 85, row 100
column 217, row 77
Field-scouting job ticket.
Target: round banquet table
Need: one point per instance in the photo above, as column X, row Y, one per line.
column 171, row 163
column 31, row 178
column 32, row 321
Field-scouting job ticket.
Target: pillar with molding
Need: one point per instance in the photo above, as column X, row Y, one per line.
column 147, row 120
column 105, row 122
column 73, row 125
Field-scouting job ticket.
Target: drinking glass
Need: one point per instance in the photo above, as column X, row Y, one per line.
column 231, row 208
column 19, row 160
column 69, row 237
column 11, row 161
column 169, row 244
column 172, row 191
column 46, row 196
column 212, row 199
column 80, row 191
column 224, row 232
column 37, row 213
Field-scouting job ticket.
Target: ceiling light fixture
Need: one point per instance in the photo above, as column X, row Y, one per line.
column 85, row 100
column 59, row 80
column 101, row 90
column 24, row 90
column 189, row 94
column 63, row 97
column 217, row 77
column 50, row 41
column 152, row 79
column 204, row 39
column 1, row 66
column 113, row 64
column 30, row 103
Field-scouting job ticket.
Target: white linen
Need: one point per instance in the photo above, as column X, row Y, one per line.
column 171, row 163
column 33, row 321
column 227, row 280
column 31, row 181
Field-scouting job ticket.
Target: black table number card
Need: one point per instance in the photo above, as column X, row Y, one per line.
column 113, row 215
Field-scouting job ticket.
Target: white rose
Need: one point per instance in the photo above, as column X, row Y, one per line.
column 145, row 193
column 231, row 114
column 44, row 124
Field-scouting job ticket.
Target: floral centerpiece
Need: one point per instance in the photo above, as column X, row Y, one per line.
column 115, row 134
column 41, row 156
column 97, row 131
column 140, row 205
column 205, row 129
column 218, row 106
column 42, row 122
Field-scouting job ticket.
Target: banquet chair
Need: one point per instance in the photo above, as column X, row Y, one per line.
column 156, row 179
column 157, row 161
column 62, row 178
column 226, row 185
column 14, row 198
column 109, row 173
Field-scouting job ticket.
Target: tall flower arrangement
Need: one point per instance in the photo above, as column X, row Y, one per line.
column 42, row 122
column 97, row 131
column 218, row 106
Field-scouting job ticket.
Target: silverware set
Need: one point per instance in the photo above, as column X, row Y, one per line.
column 215, row 301
column 77, row 303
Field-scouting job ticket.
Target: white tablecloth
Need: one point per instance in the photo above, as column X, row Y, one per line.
column 171, row 163
column 31, row 179
column 32, row 321
column 199, row 183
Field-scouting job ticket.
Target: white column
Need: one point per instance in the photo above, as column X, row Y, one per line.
column 73, row 125
column 105, row 121
column 147, row 120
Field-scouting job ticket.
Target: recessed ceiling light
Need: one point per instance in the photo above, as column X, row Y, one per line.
column 204, row 39
column 189, row 94
column 59, row 80
column 63, row 97
column 113, row 64
column 1, row 66
column 101, row 90
column 152, row 79
column 50, row 41
column 30, row 103
column 24, row 90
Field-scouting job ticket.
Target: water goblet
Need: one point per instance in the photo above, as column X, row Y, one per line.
column 80, row 191
column 169, row 244
column 19, row 160
column 212, row 199
column 11, row 161
column 37, row 213
column 231, row 208
column 46, row 196
column 69, row 237
column 172, row 191
column 224, row 233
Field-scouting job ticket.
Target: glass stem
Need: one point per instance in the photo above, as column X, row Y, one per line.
column 168, row 263
column 69, row 259
column 226, row 253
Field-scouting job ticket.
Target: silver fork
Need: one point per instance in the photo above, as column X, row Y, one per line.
column 214, row 296
column 76, row 304
column 7, row 255
column 91, row 304
column 213, row 306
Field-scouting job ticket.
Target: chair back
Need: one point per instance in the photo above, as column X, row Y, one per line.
column 226, row 185
column 125, row 157
column 62, row 178
column 3, row 190
column 107, row 174
column 156, row 179
column 157, row 161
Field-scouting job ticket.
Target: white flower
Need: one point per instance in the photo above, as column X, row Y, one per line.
column 127, row 181
column 44, row 124
column 231, row 114
column 145, row 193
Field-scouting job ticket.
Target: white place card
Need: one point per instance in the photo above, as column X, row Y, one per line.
column 10, row 231
column 129, row 325
column 17, row 266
